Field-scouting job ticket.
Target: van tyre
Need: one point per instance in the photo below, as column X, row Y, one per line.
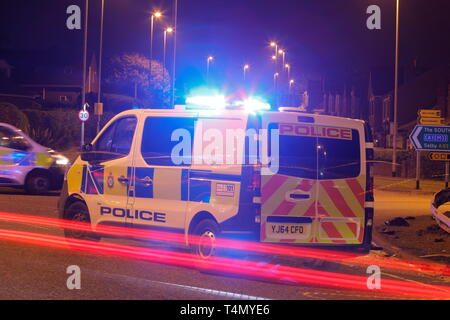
column 207, row 232
column 79, row 212
column 37, row 183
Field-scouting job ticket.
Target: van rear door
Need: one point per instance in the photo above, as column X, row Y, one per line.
column 342, row 181
column 289, row 193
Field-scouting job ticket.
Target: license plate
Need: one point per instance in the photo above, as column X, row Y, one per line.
column 288, row 230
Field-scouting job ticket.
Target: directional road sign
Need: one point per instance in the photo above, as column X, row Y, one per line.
column 431, row 121
column 439, row 156
column 424, row 113
column 431, row 138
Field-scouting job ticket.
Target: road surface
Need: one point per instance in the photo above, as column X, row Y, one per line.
column 30, row 271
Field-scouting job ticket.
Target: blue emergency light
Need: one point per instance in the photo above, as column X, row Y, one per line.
column 218, row 102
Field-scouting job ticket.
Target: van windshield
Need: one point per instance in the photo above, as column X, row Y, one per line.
column 320, row 158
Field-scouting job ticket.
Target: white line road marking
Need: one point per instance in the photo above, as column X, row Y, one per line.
column 219, row 293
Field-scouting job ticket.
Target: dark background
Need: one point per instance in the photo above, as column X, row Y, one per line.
column 321, row 36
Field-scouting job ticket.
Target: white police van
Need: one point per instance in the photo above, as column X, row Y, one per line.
column 26, row 164
column 272, row 176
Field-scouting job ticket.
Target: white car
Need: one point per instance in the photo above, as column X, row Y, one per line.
column 25, row 163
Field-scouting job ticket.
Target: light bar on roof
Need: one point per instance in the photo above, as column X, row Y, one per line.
column 206, row 102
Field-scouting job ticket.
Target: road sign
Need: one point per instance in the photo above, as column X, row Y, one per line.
column 83, row 115
column 424, row 113
column 439, row 156
column 98, row 108
column 431, row 121
column 431, row 138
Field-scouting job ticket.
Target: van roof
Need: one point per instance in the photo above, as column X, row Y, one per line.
column 239, row 112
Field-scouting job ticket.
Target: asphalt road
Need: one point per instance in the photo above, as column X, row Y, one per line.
column 30, row 271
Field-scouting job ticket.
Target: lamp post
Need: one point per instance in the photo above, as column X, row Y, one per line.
column 246, row 67
column 175, row 21
column 156, row 15
column 283, row 53
column 288, row 68
column 208, row 61
column 291, row 82
column 274, row 45
column 166, row 31
column 275, row 78
column 274, row 57
column 83, row 93
column 394, row 142
column 100, row 63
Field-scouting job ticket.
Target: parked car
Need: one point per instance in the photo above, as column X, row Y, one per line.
column 26, row 164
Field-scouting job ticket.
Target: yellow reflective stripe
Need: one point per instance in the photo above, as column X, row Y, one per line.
column 74, row 177
column 43, row 160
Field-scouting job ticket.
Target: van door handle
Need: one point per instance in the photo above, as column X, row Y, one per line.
column 122, row 180
column 297, row 196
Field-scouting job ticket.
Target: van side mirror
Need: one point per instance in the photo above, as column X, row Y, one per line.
column 87, row 153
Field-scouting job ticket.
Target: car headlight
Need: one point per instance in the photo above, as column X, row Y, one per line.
column 61, row 160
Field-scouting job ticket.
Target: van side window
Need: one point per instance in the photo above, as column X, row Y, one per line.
column 116, row 140
column 157, row 144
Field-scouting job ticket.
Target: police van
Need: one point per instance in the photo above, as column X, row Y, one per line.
column 26, row 164
column 310, row 184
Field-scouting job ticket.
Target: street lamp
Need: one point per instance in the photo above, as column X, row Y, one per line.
column 291, row 82
column 288, row 68
column 166, row 31
column 174, row 62
column 282, row 52
column 100, row 56
column 83, row 93
column 275, row 78
column 274, row 45
column 208, row 61
column 246, row 67
column 394, row 142
column 156, row 14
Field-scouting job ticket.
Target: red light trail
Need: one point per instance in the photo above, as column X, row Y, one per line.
column 235, row 266
column 314, row 253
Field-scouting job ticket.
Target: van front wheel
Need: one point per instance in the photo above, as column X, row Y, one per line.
column 205, row 241
column 79, row 212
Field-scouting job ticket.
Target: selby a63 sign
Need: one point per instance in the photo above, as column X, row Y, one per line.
column 431, row 138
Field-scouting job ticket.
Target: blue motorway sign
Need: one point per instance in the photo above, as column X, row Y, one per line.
column 431, row 138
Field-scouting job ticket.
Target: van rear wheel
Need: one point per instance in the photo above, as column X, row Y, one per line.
column 79, row 212
column 205, row 244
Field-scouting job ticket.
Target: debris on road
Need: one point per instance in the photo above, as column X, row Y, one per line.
column 423, row 237
column 397, row 222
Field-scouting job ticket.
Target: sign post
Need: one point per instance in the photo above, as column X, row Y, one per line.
column 446, row 174
column 83, row 115
column 417, row 170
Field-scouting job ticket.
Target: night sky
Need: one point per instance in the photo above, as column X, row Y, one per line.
column 320, row 36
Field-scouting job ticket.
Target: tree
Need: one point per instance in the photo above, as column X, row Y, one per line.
column 133, row 70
